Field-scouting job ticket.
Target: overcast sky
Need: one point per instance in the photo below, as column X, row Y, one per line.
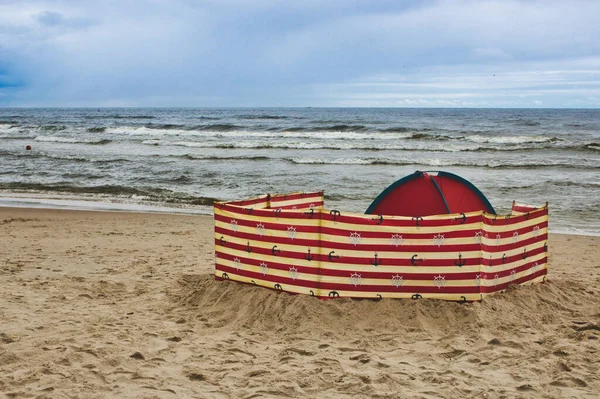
column 370, row 53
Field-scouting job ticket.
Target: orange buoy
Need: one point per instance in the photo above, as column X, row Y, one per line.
column 28, row 147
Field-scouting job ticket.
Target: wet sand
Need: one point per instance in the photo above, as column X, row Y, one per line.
column 123, row 305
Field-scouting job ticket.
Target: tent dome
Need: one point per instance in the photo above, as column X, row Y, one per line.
column 430, row 193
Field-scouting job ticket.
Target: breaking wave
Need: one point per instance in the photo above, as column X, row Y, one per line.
column 146, row 193
column 436, row 162
column 72, row 140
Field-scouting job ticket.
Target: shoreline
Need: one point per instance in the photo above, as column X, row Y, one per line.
column 85, row 203
column 126, row 205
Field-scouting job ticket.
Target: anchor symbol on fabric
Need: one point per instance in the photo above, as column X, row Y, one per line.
column 460, row 262
column 463, row 218
column 503, row 257
column 222, row 241
column 379, row 297
column 249, row 210
column 311, row 213
column 380, row 219
column 527, row 216
column 414, row 260
column 417, row 218
column 308, row 256
column 335, row 214
column 545, row 247
column 248, row 248
column 463, row 299
column 333, row 294
column 253, row 282
column 225, row 276
column 278, row 287
column 312, row 293
column 416, row 296
column 524, row 253
column 275, row 251
column 375, row 262
column 331, row 256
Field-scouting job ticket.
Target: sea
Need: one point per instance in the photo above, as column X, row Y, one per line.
column 183, row 159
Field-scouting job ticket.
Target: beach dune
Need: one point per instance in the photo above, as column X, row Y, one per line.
column 124, row 305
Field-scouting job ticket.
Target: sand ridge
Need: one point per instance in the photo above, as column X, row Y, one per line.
column 105, row 305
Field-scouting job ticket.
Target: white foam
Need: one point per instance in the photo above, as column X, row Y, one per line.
column 72, row 202
column 69, row 140
column 508, row 139
column 334, row 161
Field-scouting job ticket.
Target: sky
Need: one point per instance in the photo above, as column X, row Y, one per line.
column 320, row 53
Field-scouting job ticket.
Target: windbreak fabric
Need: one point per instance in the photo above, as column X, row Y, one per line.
column 291, row 243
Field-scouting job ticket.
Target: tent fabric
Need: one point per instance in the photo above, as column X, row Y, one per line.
column 292, row 243
column 430, row 193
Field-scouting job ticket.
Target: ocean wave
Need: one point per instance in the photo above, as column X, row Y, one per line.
column 509, row 139
column 437, row 162
column 228, row 131
column 71, row 140
column 591, row 146
column 341, row 145
column 165, row 126
column 62, row 157
column 523, row 122
column 207, row 118
column 117, row 116
column 332, row 161
column 52, row 128
column 265, row 116
column 192, row 157
column 8, row 136
column 339, row 128
column 143, row 193
column 96, row 129
column 216, row 127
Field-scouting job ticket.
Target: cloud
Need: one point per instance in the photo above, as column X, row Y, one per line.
column 316, row 53
column 491, row 53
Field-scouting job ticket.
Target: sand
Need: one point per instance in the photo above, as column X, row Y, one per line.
column 123, row 305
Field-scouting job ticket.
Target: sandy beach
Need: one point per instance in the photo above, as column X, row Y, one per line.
column 124, row 305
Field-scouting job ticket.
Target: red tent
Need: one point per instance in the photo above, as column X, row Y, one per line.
column 429, row 193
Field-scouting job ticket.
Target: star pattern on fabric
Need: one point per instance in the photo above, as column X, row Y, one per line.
column 438, row 240
column 355, row 238
column 536, row 231
column 234, row 225
column 397, row 281
column 515, row 237
column 293, row 273
column 264, row 269
column 478, row 280
column 291, row 232
column 477, row 237
column 237, row 263
column 260, row 229
column 355, row 279
column 396, row 240
column 439, row 281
